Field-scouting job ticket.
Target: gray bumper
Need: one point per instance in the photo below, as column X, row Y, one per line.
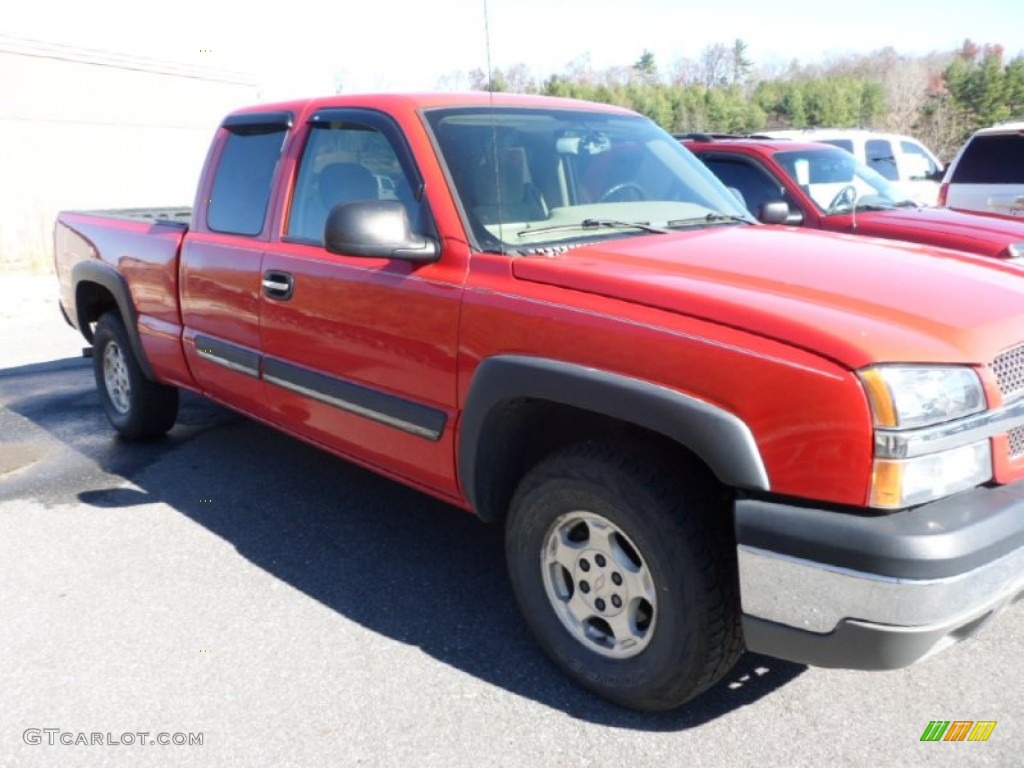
column 877, row 592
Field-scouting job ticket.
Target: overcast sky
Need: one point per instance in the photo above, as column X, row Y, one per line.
column 300, row 47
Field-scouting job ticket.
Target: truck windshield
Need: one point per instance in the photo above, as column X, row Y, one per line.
column 533, row 178
column 837, row 182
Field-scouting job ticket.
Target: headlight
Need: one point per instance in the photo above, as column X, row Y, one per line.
column 905, row 396
column 898, row 483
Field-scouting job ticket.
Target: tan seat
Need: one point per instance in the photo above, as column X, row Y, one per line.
column 345, row 183
column 335, row 183
column 506, row 192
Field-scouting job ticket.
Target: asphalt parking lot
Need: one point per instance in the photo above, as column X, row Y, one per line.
column 295, row 610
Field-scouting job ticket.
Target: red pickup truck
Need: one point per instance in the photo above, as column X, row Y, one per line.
column 701, row 434
column 823, row 187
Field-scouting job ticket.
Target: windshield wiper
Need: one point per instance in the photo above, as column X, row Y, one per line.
column 888, row 206
column 711, row 218
column 594, row 224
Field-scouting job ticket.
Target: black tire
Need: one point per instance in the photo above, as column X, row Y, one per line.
column 137, row 407
column 677, row 524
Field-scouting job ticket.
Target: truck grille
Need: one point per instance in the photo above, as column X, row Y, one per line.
column 1016, row 439
column 1008, row 368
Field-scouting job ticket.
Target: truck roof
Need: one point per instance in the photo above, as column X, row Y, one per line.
column 405, row 101
column 770, row 145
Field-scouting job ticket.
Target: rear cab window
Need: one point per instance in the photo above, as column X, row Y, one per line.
column 243, row 180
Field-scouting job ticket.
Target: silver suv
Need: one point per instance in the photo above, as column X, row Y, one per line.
column 988, row 172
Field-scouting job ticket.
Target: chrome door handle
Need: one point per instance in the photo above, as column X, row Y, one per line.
column 278, row 285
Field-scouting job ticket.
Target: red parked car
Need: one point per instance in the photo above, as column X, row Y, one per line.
column 823, row 187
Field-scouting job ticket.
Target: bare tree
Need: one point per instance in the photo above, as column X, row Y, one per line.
column 906, row 92
column 684, row 72
column 617, row 76
column 519, row 79
column 456, row 80
column 480, row 80
column 941, row 127
column 715, row 64
column 580, row 70
column 773, row 68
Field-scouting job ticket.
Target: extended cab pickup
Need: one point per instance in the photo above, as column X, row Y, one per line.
column 701, row 434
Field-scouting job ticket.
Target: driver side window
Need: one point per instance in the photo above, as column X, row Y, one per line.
column 756, row 186
column 344, row 162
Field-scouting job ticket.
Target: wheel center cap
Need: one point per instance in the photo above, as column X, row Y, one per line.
column 600, row 583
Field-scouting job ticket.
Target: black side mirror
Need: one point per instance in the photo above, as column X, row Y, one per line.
column 937, row 175
column 376, row 228
column 776, row 212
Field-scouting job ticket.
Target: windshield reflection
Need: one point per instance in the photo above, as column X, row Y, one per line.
column 826, row 174
column 530, row 178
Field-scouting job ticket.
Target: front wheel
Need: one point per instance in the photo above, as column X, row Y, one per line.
column 626, row 575
column 137, row 407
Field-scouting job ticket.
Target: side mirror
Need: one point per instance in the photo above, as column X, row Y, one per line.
column 937, row 175
column 376, row 228
column 777, row 212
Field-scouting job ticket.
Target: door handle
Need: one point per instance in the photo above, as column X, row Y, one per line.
column 278, row 285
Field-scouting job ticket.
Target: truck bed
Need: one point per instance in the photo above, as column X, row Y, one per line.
column 133, row 253
column 177, row 214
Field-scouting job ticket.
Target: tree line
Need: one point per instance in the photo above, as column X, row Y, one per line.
column 940, row 98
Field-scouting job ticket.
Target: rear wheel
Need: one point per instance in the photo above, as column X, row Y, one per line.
column 625, row 574
column 137, row 407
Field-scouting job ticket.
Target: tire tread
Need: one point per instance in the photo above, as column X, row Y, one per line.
column 154, row 406
column 678, row 490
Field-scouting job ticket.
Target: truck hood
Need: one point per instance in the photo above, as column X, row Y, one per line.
column 854, row 300
column 987, row 235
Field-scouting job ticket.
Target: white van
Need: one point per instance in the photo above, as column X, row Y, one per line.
column 904, row 161
column 987, row 173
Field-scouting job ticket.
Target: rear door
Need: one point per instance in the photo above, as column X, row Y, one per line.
column 359, row 353
column 220, row 260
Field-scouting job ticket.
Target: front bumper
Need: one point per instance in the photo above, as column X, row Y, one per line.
column 877, row 592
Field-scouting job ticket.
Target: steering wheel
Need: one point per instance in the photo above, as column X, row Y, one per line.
column 847, row 195
column 625, row 191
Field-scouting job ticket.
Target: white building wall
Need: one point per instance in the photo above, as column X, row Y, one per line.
column 82, row 129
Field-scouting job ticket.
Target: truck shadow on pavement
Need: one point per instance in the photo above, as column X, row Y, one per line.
column 397, row 562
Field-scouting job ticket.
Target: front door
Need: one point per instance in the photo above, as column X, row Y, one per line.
column 360, row 353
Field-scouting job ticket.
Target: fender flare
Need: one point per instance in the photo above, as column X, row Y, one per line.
column 107, row 277
column 719, row 438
